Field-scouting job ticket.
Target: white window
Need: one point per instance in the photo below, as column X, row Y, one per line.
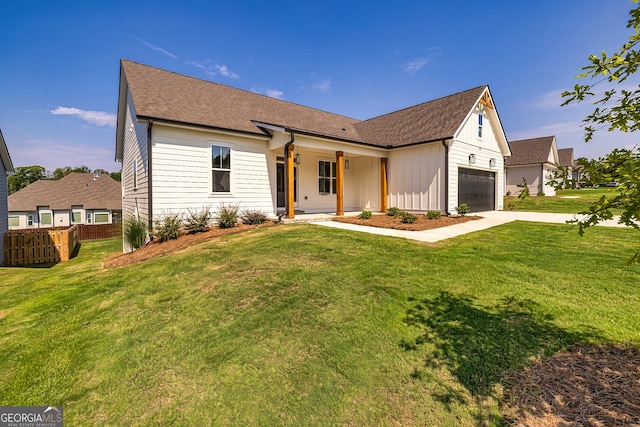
column 220, row 169
column 134, row 168
column 29, row 220
column 14, row 221
column 479, row 125
column 326, row 177
column 76, row 217
column 101, row 217
column 46, row 219
column 88, row 218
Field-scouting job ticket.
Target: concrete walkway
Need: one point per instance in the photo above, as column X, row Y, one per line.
column 488, row 220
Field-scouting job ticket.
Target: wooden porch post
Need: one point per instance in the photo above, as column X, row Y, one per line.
column 290, row 186
column 339, row 183
column 383, row 184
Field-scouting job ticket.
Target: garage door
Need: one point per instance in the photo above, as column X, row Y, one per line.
column 477, row 189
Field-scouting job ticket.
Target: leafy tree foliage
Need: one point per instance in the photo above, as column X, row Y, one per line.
column 60, row 173
column 615, row 109
column 116, row 176
column 24, row 176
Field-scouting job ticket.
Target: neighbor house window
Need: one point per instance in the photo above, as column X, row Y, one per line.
column 101, row 218
column 76, row 217
column 326, row 177
column 88, row 218
column 45, row 218
column 479, row 125
column 220, row 169
column 29, row 220
column 14, row 221
column 134, row 168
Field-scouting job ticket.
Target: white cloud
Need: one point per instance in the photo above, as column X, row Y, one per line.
column 558, row 129
column 273, row 93
column 211, row 68
column 157, row 48
column 323, row 86
column 414, row 65
column 99, row 118
column 549, row 100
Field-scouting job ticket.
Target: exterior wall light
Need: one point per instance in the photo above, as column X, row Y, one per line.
column 492, row 163
column 472, row 159
column 296, row 159
column 346, row 164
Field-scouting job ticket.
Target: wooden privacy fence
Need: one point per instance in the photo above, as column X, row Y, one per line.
column 39, row 246
column 99, row 231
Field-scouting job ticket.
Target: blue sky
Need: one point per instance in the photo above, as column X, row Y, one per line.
column 60, row 61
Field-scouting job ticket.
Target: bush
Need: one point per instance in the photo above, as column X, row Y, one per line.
column 433, row 214
column 394, row 212
column 168, row 227
column 135, row 232
column 409, row 218
column 462, row 209
column 227, row 216
column 198, row 221
column 253, row 217
column 365, row 215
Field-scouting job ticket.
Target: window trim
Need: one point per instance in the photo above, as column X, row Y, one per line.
column 14, row 217
column 332, row 177
column 29, row 220
column 95, row 221
column 480, row 125
column 79, row 212
column 221, row 167
column 42, row 214
column 134, row 169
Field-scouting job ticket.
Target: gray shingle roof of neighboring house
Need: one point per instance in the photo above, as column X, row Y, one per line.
column 530, row 151
column 4, row 156
column 76, row 189
column 164, row 95
column 565, row 156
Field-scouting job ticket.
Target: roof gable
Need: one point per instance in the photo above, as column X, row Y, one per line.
column 76, row 189
column 533, row 151
column 565, row 157
column 4, row 156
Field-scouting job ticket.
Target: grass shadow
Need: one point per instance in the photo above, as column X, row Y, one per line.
column 480, row 345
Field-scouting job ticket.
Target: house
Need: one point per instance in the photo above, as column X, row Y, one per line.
column 78, row 198
column 6, row 168
column 186, row 143
column 572, row 170
column 534, row 161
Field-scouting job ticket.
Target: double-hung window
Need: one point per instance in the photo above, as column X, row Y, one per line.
column 326, row 177
column 220, row 169
column 76, row 217
column 46, row 218
column 479, row 125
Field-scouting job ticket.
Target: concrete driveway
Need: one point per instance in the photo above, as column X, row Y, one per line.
column 489, row 219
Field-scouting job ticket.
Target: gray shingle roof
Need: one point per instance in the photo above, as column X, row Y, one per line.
column 565, row 157
column 75, row 189
column 530, row 151
column 5, row 159
column 164, row 95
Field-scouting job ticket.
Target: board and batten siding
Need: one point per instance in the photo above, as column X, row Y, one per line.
column 4, row 208
column 182, row 172
column 415, row 177
column 135, row 201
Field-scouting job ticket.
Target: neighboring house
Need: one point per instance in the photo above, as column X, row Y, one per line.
column 186, row 143
column 78, row 198
column 535, row 160
column 6, row 168
column 567, row 163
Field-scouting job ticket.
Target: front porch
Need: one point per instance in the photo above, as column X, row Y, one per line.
column 316, row 217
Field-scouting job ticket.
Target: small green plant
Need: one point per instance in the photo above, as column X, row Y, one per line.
column 135, row 232
column 511, row 206
column 365, row 215
column 394, row 211
column 227, row 216
column 541, row 193
column 198, row 221
column 409, row 218
column 462, row 209
column 433, row 214
column 525, row 189
column 253, row 217
column 168, row 227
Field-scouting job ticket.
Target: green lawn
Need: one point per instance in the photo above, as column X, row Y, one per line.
column 305, row 325
column 565, row 201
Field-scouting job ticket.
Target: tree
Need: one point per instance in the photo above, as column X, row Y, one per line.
column 24, row 176
column 617, row 108
column 116, row 176
column 60, row 173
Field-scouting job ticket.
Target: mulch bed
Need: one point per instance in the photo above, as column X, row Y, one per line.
column 386, row 221
column 585, row 386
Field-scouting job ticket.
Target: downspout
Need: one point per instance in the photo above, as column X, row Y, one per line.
column 149, row 182
column 446, row 177
column 286, row 172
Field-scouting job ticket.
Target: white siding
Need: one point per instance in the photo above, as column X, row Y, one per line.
column 182, row 172
column 134, row 201
column 415, row 177
column 534, row 175
column 4, row 217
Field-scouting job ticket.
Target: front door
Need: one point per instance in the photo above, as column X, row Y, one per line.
column 280, row 183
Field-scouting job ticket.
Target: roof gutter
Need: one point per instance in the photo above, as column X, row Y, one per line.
column 149, row 175
column 446, row 176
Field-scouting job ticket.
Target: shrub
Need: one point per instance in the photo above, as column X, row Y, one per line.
column 198, row 221
column 394, row 212
column 253, row 217
column 525, row 189
column 135, row 232
column 409, row 218
column 168, row 227
column 227, row 216
column 433, row 214
column 365, row 215
column 462, row 209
